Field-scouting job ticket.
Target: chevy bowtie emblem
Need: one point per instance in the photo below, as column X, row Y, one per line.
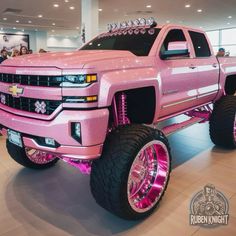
column 15, row 91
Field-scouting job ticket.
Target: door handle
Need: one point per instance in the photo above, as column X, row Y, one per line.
column 192, row 67
column 215, row 65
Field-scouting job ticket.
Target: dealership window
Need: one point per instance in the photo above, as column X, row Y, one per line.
column 226, row 38
column 214, row 37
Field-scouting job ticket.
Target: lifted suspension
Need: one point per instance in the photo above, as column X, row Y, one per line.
column 119, row 108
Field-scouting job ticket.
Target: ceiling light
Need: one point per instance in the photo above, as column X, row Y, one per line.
column 53, row 23
column 100, row 9
column 66, row 1
column 187, row 6
column 40, row 16
column 230, row 17
column 29, row 21
column 14, row 28
column 17, row 21
column 5, row 18
column 72, row 8
column 149, row 6
column 56, row 5
column 199, row 10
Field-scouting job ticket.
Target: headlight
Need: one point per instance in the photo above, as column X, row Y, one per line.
column 76, row 99
column 78, row 80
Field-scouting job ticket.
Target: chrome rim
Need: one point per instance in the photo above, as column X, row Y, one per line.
column 39, row 157
column 148, row 176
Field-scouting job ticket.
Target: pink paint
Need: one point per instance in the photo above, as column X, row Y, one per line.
column 178, row 46
column 73, row 152
column 198, row 115
column 95, row 120
column 181, row 86
column 84, row 167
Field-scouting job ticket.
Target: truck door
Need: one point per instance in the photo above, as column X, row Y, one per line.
column 207, row 68
column 178, row 77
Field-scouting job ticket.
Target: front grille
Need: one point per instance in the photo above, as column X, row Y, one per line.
column 32, row 80
column 29, row 104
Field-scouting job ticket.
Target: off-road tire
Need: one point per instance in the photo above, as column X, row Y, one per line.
column 222, row 122
column 18, row 154
column 109, row 174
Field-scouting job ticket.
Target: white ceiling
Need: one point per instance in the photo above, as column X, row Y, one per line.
column 214, row 13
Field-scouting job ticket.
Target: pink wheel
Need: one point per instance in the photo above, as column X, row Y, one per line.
column 39, row 157
column 148, row 176
column 131, row 177
column 31, row 158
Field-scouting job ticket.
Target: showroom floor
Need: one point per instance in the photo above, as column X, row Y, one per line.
column 58, row 201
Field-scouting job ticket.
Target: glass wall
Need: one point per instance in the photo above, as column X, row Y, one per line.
column 225, row 38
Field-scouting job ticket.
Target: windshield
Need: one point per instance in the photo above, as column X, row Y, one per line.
column 138, row 41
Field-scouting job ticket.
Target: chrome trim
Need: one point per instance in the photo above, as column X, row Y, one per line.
column 170, row 92
column 180, row 102
column 190, row 99
column 207, row 94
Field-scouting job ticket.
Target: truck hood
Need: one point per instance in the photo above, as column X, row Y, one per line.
column 67, row 60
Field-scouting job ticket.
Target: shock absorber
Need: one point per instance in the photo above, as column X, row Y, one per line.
column 122, row 109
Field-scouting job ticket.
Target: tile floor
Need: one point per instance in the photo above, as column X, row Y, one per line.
column 58, row 201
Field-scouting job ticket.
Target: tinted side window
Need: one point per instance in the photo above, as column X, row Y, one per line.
column 200, row 44
column 175, row 35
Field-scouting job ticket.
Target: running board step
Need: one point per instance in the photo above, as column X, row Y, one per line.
column 171, row 129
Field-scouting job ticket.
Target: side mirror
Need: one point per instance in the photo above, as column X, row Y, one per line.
column 176, row 49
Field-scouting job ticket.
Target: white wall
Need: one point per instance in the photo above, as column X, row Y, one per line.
column 63, row 43
column 40, row 40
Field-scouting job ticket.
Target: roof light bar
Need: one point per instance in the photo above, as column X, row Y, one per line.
column 141, row 22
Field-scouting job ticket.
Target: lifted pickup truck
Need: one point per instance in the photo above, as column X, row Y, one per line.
column 98, row 108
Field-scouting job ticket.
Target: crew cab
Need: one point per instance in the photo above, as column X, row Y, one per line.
column 98, row 108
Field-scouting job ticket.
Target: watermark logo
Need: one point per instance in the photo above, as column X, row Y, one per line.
column 209, row 208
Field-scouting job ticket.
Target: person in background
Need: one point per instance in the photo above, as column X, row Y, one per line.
column 42, row 51
column 15, row 53
column 221, row 52
column 3, row 56
column 23, row 51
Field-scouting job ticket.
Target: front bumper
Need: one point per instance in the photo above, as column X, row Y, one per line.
column 93, row 131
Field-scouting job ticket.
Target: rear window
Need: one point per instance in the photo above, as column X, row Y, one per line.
column 200, row 44
column 139, row 44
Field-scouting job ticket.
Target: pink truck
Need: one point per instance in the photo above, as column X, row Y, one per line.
column 98, row 108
